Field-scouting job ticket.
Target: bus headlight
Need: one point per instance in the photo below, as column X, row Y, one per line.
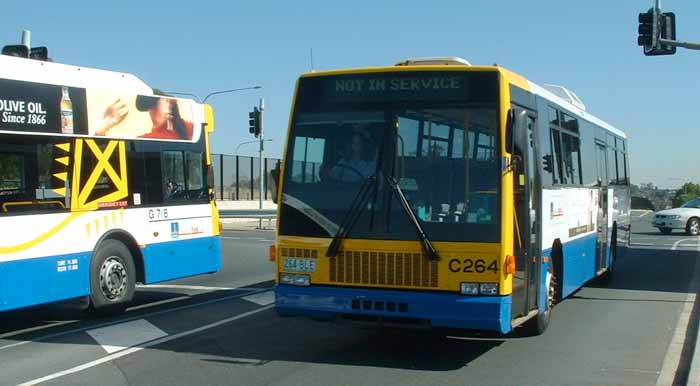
column 488, row 288
column 469, row 288
column 295, row 279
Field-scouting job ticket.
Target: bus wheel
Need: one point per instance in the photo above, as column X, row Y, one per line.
column 112, row 278
column 538, row 324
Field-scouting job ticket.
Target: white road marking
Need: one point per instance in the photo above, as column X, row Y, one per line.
column 642, row 244
column 122, row 336
column 132, row 350
column 191, row 287
column 639, row 212
column 262, row 299
column 673, row 353
column 246, row 238
column 160, row 303
column 148, row 315
column 37, row 328
column 677, row 243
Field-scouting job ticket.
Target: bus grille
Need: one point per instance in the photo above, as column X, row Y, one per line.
column 384, row 269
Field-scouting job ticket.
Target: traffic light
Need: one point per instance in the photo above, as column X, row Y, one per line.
column 547, row 161
column 666, row 29
column 19, row 50
column 646, row 29
column 39, row 53
column 254, row 122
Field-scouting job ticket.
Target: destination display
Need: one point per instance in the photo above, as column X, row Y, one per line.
column 37, row 108
column 426, row 86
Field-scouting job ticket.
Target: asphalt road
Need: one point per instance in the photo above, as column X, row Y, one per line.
column 220, row 329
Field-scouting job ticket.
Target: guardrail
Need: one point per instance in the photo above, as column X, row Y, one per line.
column 248, row 213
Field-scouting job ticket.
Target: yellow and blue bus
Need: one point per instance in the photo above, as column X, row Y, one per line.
column 444, row 194
column 103, row 184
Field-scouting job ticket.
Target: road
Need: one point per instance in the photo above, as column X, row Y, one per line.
column 220, row 329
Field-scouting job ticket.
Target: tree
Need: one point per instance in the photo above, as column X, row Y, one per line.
column 686, row 193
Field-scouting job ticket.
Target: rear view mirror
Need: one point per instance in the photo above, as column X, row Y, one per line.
column 211, row 181
column 274, row 182
column 510, row 122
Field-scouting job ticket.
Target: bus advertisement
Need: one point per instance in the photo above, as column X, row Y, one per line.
column 444, row 194
column 102, row 185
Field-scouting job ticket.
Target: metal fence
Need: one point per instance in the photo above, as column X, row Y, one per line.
column 238, row 177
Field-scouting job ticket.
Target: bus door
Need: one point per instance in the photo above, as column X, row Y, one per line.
column 527, row 211
column 602, row 217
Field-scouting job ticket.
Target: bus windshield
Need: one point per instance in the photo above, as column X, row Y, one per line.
column 440, row 146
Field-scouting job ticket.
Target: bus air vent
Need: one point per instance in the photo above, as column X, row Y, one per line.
column 384, row 269
column 435, row 61
column 566, row 94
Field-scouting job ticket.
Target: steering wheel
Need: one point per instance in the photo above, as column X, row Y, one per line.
column 352, row 169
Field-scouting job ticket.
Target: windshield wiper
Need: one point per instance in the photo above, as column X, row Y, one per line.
column 430, row 252
column 352, row 215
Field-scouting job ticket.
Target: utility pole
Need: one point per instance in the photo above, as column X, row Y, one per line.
column 262, row 160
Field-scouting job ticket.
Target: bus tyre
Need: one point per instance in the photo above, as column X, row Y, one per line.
column 112, row 278
column 692, row 228
column 538, row 324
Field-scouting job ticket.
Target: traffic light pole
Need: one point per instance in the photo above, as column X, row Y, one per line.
column 262, row 161
column 676, row 43
column 657, row 32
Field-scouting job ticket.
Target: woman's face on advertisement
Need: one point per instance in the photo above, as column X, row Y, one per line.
column 161, row 113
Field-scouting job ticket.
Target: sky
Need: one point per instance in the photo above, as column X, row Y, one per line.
column 201, row 47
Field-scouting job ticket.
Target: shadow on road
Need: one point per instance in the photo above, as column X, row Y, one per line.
column 289, row 340
column 653, row 269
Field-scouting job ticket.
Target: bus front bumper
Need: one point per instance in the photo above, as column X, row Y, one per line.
column 439, row 309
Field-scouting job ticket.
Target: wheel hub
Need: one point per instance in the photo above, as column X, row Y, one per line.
column 113, row 278
column 550, row 291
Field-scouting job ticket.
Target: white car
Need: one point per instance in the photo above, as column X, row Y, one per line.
column 687, row 217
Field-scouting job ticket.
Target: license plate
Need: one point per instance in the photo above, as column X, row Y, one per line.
column 299, row 265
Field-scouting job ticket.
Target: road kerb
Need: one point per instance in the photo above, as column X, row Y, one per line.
column 676, row 358
column 694, row 372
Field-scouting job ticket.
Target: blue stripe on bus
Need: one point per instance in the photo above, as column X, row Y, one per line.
column 30, row 282
column 579, row 262
column 441, row 309
column 41, row 280
column 181, row 258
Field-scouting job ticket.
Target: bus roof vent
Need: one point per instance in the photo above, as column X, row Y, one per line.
column 435, row 61
column 566, row 94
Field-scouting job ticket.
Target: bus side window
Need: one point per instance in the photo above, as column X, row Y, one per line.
column 308, row 158
column 153, row 173
column 174, row 176
column 557, row 158
column 613, row 169
column 195, row 175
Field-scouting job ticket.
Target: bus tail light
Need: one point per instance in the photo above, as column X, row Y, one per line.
column 510, row 264
column 272, row 253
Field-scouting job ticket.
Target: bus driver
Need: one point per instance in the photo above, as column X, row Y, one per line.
column 358, row 164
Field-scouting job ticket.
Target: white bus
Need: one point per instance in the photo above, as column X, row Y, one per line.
column 102, row 185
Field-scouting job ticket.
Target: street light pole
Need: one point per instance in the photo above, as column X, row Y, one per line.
column 262, row 160
column 248, row 142
column 211, row 94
